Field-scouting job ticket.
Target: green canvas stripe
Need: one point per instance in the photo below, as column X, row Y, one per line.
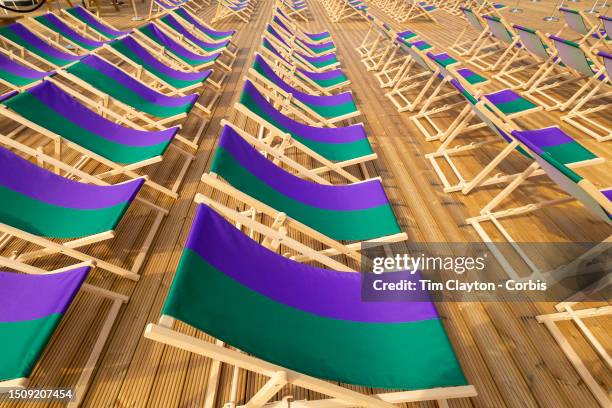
column 16, row 80
column 334, row 111
column 475, row 79
column 568, row 153
column 515, row 106
column 370, row 354
column 34, row 110
column 18, row 40
column 74, row 14
column 51, row 221
column 332, row 151
column 469, row 97
column 325, row 83
column 175, row 82
column 22, row 343
column 51, row 27
column 356, row 225
column 319, row 64
column 115, row 89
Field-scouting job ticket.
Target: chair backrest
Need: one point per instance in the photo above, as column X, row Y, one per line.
column 54, row 110
column 53, row 23
column 572, row 55
column 415, row 50
column 93, row 22
column 213, row 34
column 31, row 308
column 272, row 296
column 335, row 144
column 351, row 212
column 574, row 184
column 575, row 20
column 23, row 37
column 111, row 80
column 499, row 29
column 473, row 19
column 64, row 208
column 532, row 41
column 19, row 75
column 607, row 25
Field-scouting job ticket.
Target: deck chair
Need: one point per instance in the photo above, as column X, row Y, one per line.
column 159, row 8
column 200, row 28
column 393, row 63
column 432, row 119
column 476, row 27
column 579, row 23
column 312, row 63
column 414, row 73
column 297, row 203
column 162, row 43
column 294, row 9
column 583, row 72
column 164, row 77
column 318, row 37
column 334, row 148
column 588, row 115
column 137, row 100
column 181, row 33
column 375, row 51
column 322, row 83
column 64, row 34
column 502, row 106
column 326, row 110
column 414, row 9
column 347, row 9
column 606, row 23
column 71, row 123
column 18, row 37
column 300, row 42
column 32, row 305
column 534, row 46
column 497, row 47
column 90, row 24
column 66, row 214
column 16, row 73
column 556, row 154
column 227, row 9
column 201, row 285
column 488, row 7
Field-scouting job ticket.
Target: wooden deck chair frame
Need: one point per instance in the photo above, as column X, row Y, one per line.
column 290, row 11
column 224, row 11
column 488, row 213
column 288, row 141
column 346, row 11
column 380, row 50
column 279, row 376
column 509, row 74
column 290, row 38
column 226, row 65
column 46, row 33
column 486, row 7
column 414, row 11
column 24, row 62
column 577, row 316
column 156, row 10
column 487, row 114
column 85, row 377
column 295, row 78
column 391, row 70
column 84, row 28
column 463, row 47
column 402, row 94
column 289, row 54
column 493, row 45
column 232, row 47
column 286, row 102
column 297, row 28
column 69, row 248
column 586, row 31
column 538, row 90
column 115, row 168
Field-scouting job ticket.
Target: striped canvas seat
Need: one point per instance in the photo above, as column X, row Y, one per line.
column 85, row 17
column 205, row 46
column 353, row 212
column 270, row 293
column 16, row 75
column 53, row 23
column 214, row 35
column 31, row 308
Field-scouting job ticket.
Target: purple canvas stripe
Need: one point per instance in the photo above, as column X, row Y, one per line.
column 316, row 60
column 68, row 107
column 320, row 100
column 24, row 177
column 504, row 96
column 28, row 297
column 350, row 197
column 345, row 134
column 268, row 45
column 95, row 23
column 322, row 76
column 175, row 47
column 173, row 22
column 607, row 193
column 36, row 42
column 140, row 51
column 8, row 65
column 322, row 292
column 542, row 138
column 137, row 87
column 68, row 32
column 184, row 14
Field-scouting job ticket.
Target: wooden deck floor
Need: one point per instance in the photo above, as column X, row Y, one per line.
column 510, row 358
